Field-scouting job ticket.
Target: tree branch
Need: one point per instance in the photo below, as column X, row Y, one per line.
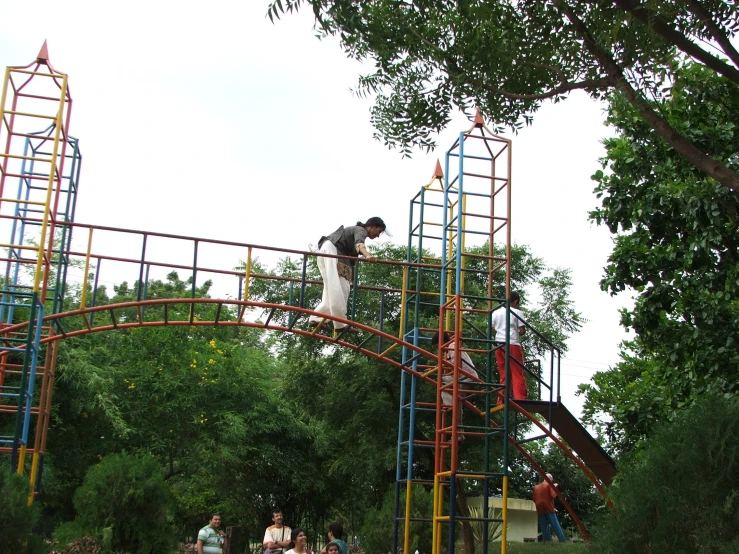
column 679, row 143
column 565, row 87
column 658, row 23
column 718, row 34
column 452, row 68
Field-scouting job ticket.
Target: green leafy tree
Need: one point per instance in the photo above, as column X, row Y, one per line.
column 507, row 57
column 17, row 518
column 680, row 493
column 677, row 238
column 204, row 402
column 377, row 531
column 125, row 502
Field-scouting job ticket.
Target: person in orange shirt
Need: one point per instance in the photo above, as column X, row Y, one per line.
column 544, row 495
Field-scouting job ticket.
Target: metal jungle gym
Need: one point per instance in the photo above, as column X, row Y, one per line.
column 457, row 273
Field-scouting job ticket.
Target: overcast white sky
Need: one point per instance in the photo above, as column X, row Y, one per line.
column 205, row 119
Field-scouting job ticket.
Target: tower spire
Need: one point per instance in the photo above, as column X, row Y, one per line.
column 43, row 54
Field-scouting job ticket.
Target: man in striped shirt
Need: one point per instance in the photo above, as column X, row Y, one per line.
column 211, row 537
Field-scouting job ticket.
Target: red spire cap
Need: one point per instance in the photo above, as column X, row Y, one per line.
column 43, row 54
column 438, row 172
column 479, row 121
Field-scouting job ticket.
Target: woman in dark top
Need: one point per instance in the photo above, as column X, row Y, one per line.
column 337, row 273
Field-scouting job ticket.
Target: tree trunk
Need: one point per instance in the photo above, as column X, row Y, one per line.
column 713, row 168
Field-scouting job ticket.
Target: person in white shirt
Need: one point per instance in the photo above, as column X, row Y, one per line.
column 277, row 536
column 517, row 328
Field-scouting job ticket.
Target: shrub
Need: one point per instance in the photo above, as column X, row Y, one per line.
column 123, row 503
column 680, row 493
column 17, row 518
column 377, row 530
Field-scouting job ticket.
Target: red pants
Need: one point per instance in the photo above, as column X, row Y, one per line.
column 518, row 377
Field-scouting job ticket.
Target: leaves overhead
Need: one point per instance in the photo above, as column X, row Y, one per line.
column 429, row 57
column 676, row 246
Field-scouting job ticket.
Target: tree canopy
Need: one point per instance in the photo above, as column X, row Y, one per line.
column 677, row 235
column 430, row 56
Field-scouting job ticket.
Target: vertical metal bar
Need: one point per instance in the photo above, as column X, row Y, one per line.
column 399, row 452
column 409, row 469
column 509, row 226
column 146, row 288
column 143, row 261
column 382, row 320
column 32, row 371
column 504, row 514
column 355, row 291
column 196, row 244
column 49, row 189
column 403, row 308
column 247, row 273
column 444, row 224
column 95, row 291
column 17, row 457
column 303, row 275
column 485, row 512
column 83, row 297
column 460, row 223
column 396, row 513
column 452, row 510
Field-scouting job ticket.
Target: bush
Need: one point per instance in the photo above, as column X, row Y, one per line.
column 377, row 530
column 680, row 493
column 123, row 503
column 17, row 518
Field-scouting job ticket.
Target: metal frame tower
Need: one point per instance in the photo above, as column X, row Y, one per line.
column 464, row 214
column 45, row 165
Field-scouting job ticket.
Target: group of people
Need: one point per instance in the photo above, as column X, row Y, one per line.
column 281, row 539
column 338, row 272
column 278, row 538
column 505, row 329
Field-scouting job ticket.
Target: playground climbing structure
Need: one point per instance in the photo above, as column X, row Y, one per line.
column 457, row 273
column 39, row 173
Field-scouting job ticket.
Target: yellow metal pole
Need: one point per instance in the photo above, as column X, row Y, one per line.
column 407, row 533
column 388, row 350
column 2, row 121
column 434, row 549
column 50, row 187
column 504, row 534
column 402, row 304
column 32, row 480
column 21, row 460
column 4, row 94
